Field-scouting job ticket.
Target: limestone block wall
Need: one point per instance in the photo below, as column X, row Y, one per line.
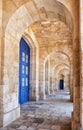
column 11, row 78
column 14, row 31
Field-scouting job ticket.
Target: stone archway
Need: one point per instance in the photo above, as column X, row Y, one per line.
column 56, row 65
column 13, row 33
column 12, row 51
column 66, row 78
column 56, row 70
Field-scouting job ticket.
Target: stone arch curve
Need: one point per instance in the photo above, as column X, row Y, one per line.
column 60, row 64
column 63, row 70
column 57, row 68
column 62, row 12
column 57, row 52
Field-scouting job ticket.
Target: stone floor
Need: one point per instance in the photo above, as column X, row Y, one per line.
column 52, row 114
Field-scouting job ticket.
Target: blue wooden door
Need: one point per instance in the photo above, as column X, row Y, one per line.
column 61, row 84
column 24, row 72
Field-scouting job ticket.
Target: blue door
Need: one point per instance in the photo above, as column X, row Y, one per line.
column 24, row 72
column 61, row 84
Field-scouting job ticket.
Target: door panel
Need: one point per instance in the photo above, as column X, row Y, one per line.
column 24, row 72
column 61, row 84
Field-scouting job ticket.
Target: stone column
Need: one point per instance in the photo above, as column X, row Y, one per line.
column 55, row 85
column 33, row 76
column 48, row 76
column 76, row 68
column 1, row 86
column 41, row 79
column 81, row 92
column 81, row 61
column 51, row 82
column 71, row 83
column 76, row 90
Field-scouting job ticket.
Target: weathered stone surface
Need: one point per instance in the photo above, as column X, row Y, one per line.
column 52, row 30
column 22, row 128
column 53, row 115
column 56, row 128
column 31, row 128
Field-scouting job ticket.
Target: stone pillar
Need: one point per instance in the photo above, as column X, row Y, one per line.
column 51, row 82
column 33, row 76
column 76, row 90
column 71, row 83
column 1, row 86
column 81, row 61
column 81, row 92
column 41, row 80
column 48, row 76
column 56, row 86
column 76, row 68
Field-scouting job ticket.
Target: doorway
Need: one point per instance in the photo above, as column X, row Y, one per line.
column 24, row 72
column 61, row 84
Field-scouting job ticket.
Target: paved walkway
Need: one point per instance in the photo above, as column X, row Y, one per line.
column 51, row 114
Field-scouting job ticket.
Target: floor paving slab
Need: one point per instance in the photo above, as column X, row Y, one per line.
column 54, row 113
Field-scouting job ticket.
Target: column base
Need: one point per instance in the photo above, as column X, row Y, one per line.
column 32, row 99
column 42, row 97
column 80, row 129
column 75, row 125
column 35, row 98
column 71, row 98
column 11, row 116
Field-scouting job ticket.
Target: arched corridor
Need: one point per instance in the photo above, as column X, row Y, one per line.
column 41, row 61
